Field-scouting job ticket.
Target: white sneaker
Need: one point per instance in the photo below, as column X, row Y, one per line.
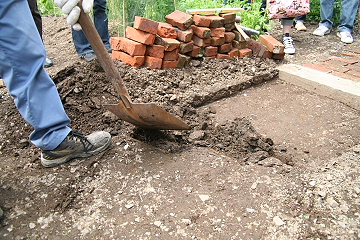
column 289, row 46
column 321, row 31
column 300, row 26
column 345, row 37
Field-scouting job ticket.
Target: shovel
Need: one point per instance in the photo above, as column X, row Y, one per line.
column 144, row 115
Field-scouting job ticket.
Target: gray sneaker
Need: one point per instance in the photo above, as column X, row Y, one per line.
column 76, row 145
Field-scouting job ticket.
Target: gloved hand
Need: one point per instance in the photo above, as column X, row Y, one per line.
column 70, row 8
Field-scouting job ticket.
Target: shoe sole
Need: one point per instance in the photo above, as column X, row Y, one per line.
column 53, row 163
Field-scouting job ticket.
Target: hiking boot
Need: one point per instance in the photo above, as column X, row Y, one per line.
column 89, row 57
column 300, row 26
column 346, row 37
column 321, row 31
column 289, row 46
column 76, row 145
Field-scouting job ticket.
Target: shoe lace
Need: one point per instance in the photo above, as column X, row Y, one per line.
column 79, row 137
column 288, row 42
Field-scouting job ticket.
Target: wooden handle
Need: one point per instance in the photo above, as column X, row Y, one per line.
column 103, row 56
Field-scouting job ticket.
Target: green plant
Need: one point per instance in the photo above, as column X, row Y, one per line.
column 48, row 7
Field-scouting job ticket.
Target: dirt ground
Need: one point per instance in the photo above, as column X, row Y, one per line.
column 264, row 159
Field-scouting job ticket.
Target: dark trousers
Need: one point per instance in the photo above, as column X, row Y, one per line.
column 36, row 15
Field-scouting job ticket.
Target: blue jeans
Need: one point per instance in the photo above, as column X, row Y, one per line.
column 349, row 9
column 22, row 56
column 82, row 45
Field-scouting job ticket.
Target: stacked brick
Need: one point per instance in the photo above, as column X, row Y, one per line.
column 267, row 47
column 172, row 44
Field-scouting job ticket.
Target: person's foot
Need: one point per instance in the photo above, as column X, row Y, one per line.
column 289, row 45
column 300, row 26
column 89, row 57
column 109, row 49
column 48, row 62
column 346, row 37
column 76, row 145
column 321, row 31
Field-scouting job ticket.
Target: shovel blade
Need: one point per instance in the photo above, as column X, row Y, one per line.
column 147, row 115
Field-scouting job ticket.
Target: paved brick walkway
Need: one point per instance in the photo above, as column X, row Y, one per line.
column 347, row 67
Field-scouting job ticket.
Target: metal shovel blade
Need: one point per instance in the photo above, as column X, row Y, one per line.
column 150, row 116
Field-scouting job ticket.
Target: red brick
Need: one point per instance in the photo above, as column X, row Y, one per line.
column 279, row 56
column 264, row 52
column 127, row 45
column 346, row 76
column 354, row 55
column 234, row 52
column 170, row 64
column 168, row 43
column 222, row 56
column 156, row 51
column 171, row 55
column 225, row 48
column 229, row 36
column 255, row 46
column 154, row 63
column 201, row 32
column 238, row 36
column 355, row 73
column 184, row 35
column 140, row 36
column 317, row 67
column 180, row 19
column 216, row 21
column 217, row 41
column 201, row 20
column 201, row 42
column 146, row 25
column 335, row 67
column 271, row 44
column 228, row 17
column 195, row 52
column 239, row 45
column 183, row 60
column 217, row 32
column 355, row 67
column 210, row 51
column 166, row 30
column 186, row 47
column 136, row 61
column 229, row 27
column 245, row 52
column 345, row 60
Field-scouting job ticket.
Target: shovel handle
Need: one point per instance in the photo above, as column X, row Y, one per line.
column 103, row 56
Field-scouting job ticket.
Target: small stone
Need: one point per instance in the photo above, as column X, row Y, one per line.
column 32, row 225
column 254, row 185
column 277, row 220
column 204, row 197
column 312, row 183
column 158, row 223
column 331, row 201
column 250, row 210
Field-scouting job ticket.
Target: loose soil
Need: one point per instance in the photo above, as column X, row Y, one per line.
column 264, row 159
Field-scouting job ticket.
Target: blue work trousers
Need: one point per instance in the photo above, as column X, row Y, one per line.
column 81, row 43
column 349, row 9
column 22, row 56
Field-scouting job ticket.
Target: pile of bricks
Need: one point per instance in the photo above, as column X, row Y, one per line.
column 173, row 43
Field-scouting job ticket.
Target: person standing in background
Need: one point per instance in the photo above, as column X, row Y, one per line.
column 38, row 22
column 82, row 45
column 349, row 9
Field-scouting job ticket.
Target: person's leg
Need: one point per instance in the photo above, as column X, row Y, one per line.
column 101, row 21
column 326, row 12
column 287, row 23
column 349, row 10
column 36, row 15
column 35, row 94
column 300, row 20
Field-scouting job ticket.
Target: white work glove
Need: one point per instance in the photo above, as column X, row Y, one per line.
column 70, row 8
